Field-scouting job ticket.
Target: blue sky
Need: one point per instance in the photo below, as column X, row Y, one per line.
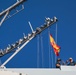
column 35, row 11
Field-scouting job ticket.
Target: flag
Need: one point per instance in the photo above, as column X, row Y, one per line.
column 55, row 46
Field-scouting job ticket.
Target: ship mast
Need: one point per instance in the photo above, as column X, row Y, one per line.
column 4, row 14
column 26, row 39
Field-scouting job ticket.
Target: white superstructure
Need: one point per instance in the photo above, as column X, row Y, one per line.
column 65, row 70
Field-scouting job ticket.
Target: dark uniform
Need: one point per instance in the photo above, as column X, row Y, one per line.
column 58, row 63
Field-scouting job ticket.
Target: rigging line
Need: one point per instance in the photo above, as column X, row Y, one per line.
column 50, row 51
column 42, row 51
column 56, row 41
column 0, row 62
column 38, row 47
column 49, row 46
column 46, row 32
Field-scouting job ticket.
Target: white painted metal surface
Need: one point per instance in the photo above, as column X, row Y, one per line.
column 65, row 70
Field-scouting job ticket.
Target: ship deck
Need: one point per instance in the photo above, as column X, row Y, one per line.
column 65, row 70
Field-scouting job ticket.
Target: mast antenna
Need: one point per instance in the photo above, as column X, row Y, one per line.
column 31, row 26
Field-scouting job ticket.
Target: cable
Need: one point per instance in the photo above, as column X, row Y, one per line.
column 42, row 51
column 0, row 62
column 56, row 41
column 49, row 46
column 38, row 51
column 50, row 51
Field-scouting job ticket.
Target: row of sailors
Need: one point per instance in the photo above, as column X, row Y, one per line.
column 69, row 62
column 18, row 43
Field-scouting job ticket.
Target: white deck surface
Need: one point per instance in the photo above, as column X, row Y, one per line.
column 65, row 70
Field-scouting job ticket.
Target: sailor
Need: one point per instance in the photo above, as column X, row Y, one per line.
column 58, row 63
column 70, row 62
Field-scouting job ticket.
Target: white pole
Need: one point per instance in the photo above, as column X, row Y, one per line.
column 31, row 26
column 16, row 52
column 4, row 18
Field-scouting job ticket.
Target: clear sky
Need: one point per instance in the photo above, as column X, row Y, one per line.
column 35, row 11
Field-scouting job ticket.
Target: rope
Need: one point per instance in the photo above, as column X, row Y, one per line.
column 38, row 51
column 50, row 51
column 56, row 41
column 0, row 62
column 42, row 51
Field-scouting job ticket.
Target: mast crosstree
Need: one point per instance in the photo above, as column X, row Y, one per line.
column 4, row 14
column 26, row 39
column 18, row 45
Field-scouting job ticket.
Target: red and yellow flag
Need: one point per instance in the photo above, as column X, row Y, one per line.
column 55, row 46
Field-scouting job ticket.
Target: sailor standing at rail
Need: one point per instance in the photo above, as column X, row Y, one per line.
column 59, row 63
column 70, row 62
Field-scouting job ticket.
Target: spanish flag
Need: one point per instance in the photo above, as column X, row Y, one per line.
column 55, row 46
